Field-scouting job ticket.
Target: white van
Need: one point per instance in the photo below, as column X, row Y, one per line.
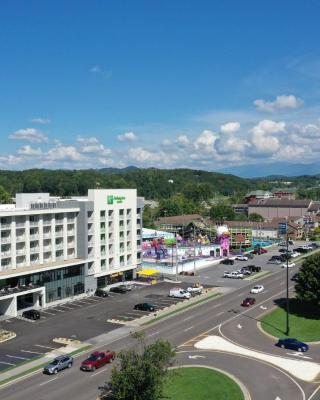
column 179, row 293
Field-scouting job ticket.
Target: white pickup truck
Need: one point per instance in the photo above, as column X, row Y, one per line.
column 195, row 289
column 233, row 275
column 179, row 293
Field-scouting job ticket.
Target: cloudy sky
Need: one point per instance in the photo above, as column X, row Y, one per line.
column 168, row 83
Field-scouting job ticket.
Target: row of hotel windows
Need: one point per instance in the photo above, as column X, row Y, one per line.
column 111, row 262
column 21, row 261
column 5, row 222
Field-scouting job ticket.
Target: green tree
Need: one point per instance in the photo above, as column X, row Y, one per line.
column 255, row 217
column 308, row 283
column 5, row 197
column 148, row 218
column 141, row 372
column 222, row 211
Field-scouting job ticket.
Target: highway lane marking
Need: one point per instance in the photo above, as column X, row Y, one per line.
column 240, row 294
column 6, row 363
column 29, row 351
column 187, row 319
column 99, row 372
column 216, row 305
column 220, row 313
column 188, row 329
column 20, row 358
column 44, row 383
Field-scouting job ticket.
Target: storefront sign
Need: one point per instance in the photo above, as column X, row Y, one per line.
column 111, row 199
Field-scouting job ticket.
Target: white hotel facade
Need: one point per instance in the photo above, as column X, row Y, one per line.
column 53, row 248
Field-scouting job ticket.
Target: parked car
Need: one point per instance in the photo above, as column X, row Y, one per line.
column 302, row 250
column 291, row 242
column 274, row 261
column 290, row 265
column 263, row 250
column 292, row 344
column 282, row 243
column 97, row 360
column 249, row 301
column 295, row 254
column 240, row 257
column 294, row 277
column 253, row 268
column 227, row 261
column 257, row 289
column 179, row 293
column 250, row 255
column 245, row 271
column 59, row 363
column 119, row 289
column 282, row 250
column 129, row 286
column 195, row 289
column 31, row 314
column 145, row 307
column 315, row 245
column 101, row 293
column 233, row 275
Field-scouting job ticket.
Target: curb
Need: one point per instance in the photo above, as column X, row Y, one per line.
column 243, row 388
column 13, row 335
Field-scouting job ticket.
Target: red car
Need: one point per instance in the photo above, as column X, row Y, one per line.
column 249, row 301
column 263, row 251
column 97, row 359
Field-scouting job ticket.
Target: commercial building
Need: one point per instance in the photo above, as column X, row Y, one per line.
column 53, row 249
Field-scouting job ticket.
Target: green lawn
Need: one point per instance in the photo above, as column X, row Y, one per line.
column 304, row 322
column 201, row 384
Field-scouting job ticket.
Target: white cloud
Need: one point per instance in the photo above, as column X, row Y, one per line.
column 166, row 142
column 41, row 121
column 205, row 140
column 142, row 155
column 280, row 103
column 64, row 153
column 183, row 140
column 230, row 127
column 262, row 139
column 127, row 137
column 29, row 134
column 92, row 145
column 231, row 144
column 29, row 151
column 268, row 126
column 98, row 69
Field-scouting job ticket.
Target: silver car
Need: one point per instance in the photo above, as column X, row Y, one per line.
column 58, row 364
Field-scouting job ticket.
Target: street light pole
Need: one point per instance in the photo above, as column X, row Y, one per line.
column 194, row 252
column 287, row 300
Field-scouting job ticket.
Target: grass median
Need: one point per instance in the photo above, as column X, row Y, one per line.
column 201, row 384
column 304, row 321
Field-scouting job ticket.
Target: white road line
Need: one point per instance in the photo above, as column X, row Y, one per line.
column 154, row 333
column 45, row 347
column 240, row 294
column 6, row 363
column 57, row 309
column 188, row 329
column 216, row 305
column 20, row 358
column 314, row 393
column 44, row 383
column 186, row 319
column 29, row 351
column 99, row 372
column 220, row 313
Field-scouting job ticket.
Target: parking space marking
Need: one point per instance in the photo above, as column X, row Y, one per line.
column 58, row 309
column 44, row 383
column 6, row 363
column 45, row 347
column 67, row 307
column 20, row 358
column 47, row 312
column 29, row 351
column 188, row 329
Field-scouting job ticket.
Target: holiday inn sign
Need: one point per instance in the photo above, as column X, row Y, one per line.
column 115, row 199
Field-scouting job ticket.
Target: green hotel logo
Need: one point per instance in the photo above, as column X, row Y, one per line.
column 115, row 199
column 110, row 199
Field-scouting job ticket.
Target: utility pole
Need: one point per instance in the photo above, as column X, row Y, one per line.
column 194, row 252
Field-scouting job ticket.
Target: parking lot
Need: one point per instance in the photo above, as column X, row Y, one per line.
column 79, row 319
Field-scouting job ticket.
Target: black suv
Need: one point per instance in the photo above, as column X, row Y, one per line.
column 31, row 314
column 144, row 307
column 227, row 261
column 253, row 268
column 101, row 293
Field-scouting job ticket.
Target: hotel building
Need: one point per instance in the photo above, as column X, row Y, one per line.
column 53, row 249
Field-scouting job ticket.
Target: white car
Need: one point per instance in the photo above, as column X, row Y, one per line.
column 195, row 289
column 233, row 275
column 295, row 254
column 290, row 265
column 242, row 258
column 257, row 289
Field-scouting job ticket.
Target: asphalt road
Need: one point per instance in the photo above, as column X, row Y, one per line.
column 264, row 381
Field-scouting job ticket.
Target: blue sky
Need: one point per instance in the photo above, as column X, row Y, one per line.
column 170, row 83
